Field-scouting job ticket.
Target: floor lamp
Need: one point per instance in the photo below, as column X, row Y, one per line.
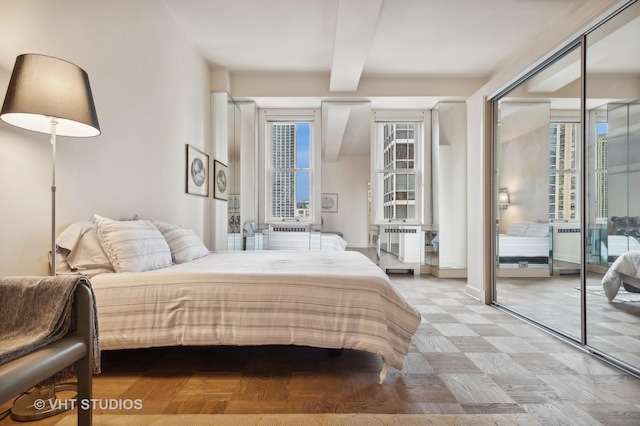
column 52, row 96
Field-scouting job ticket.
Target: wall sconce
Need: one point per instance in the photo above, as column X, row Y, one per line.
column 503, row 198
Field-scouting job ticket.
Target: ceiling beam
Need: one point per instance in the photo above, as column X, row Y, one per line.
column 355, row 25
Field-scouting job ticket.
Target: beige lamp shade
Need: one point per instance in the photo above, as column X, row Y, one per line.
column 43, row 87
column 503, row 198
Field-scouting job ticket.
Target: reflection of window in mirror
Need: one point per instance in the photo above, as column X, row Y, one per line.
column 563, row 189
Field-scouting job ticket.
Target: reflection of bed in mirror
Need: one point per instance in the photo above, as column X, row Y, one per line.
column 525, row 245
column 288, row 238
column 617, row 245
column 624, row 271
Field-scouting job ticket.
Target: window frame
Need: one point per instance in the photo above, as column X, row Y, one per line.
column 267, row 117
column 572, row 171
column 421, row 121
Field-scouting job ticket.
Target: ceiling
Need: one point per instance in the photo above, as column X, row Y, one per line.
column 348, row 41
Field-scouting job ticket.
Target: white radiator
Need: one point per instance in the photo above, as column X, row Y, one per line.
column 566, row 243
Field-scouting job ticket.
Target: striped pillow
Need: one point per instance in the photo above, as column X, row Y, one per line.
column 132, row 245
column 185, row 244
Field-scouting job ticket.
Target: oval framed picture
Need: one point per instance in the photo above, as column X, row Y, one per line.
column 220, row 180
column 329, row 203
column 197, row 172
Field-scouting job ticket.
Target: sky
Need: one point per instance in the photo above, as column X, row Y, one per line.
column 302, row 160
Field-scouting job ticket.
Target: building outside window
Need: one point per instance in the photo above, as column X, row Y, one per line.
column 397, row 169
column 290, row 169
column 601, row 172
column 563, row 139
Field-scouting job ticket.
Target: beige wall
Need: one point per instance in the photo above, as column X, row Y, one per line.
column 151, row 89
column 348, row 177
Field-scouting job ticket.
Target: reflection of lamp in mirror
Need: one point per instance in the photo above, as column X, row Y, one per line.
column 503, row 198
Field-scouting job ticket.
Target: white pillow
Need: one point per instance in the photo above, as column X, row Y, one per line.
column 537, row 230
column 79, row 251
column 185, row 245
column 517, row 229
column 132, row 245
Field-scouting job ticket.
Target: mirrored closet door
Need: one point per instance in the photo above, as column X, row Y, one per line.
column 235, row 239
column 567, row 193
column 537, row 263
column 613, row 187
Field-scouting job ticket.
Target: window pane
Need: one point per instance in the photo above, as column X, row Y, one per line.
column 290, row 169
column 302, row 145
column 282, row 197
column 562, row 163
column 283, row 137
column 395, row 161
column 302, row 194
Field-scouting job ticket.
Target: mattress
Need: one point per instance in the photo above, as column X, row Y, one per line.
column 327, row 299
column 513, row 249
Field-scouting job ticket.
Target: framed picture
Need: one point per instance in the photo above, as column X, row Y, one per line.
column 329, row 203
column 197, row 172
column 220, row 180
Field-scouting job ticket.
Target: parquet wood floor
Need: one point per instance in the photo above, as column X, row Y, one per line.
column 466, row 358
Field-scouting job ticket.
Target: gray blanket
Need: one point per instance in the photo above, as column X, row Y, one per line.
column 35, row 311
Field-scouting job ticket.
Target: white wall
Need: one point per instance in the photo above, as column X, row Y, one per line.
column 151, row 92
column 451, row 139
column 348, row 177
column 524, row 161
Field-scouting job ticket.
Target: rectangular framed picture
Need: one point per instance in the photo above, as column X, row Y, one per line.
column 197, row 172
column 220, row 180
column 329, row 203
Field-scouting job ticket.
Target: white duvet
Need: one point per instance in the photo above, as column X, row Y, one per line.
column 628, row 264
column 328, row 299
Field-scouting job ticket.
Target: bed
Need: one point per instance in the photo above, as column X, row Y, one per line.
column 526, row 244
column 148, row 295
column 624, row 270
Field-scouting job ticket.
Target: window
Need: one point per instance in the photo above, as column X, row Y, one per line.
column 289, row 170
column 397, row 169
column 601, row 172
column 563, row 140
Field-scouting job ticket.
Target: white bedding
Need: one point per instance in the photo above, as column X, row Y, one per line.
column 510, row 246
column 271, row 240
column 627, row 265
column 619, row 244
column 328, row 299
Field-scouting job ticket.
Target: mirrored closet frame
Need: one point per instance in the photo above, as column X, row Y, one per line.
column 580, row 42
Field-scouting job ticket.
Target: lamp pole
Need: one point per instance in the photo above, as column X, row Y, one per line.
column 54, row 123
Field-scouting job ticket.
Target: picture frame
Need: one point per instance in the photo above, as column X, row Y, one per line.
column 220, row 180
column 329, row 203
column 197, row 177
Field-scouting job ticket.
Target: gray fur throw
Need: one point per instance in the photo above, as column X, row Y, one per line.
column 35, row 311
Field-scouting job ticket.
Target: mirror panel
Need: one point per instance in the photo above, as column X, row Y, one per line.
column 613, row 170
column 235, row 240
column 537, row 263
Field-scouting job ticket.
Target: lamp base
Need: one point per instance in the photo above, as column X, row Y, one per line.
column 45, row 402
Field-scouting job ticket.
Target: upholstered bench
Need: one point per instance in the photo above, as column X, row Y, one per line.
column 21, row 374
